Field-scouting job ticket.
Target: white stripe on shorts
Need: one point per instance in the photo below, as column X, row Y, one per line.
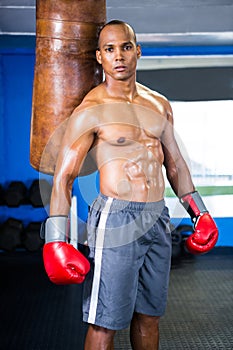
column 98, row 261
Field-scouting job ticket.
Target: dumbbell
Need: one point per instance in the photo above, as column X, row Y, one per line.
column 10, row 234
column 31, row 237
column 185, row 231
column 39, row 193
column 15, row 194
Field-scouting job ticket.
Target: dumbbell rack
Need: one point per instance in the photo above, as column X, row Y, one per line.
column 22, row 211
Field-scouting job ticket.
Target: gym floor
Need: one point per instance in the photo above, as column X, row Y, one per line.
column 37, row 315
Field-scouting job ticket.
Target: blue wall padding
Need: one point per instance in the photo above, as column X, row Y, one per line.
column 186, row 50
column 16, row 99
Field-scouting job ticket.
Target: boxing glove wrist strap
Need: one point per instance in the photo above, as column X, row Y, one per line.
column 194, row 205
column 55, row 229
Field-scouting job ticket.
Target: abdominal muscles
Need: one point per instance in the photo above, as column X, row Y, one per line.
column 133, row 174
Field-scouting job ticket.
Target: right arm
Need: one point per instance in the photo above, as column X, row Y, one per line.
column 77, row 141
column 63, row 263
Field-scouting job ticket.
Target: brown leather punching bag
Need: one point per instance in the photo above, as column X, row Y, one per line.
column 65, row 70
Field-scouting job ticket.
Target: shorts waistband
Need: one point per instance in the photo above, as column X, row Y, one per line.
column 120, row 204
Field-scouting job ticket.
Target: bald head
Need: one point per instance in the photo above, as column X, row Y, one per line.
column 115, row 22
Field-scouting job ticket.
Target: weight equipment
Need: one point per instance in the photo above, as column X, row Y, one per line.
column 31, row 237
column 15, row 194
column 40, row 193
column 65, row 70
column 176, row 242
column 185, row 231
column 11, row 234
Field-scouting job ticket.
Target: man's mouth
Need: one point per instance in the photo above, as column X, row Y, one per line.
column 120, row 68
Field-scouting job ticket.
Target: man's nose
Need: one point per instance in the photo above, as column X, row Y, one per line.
column 119, row 55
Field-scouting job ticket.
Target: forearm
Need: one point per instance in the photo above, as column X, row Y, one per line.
column 61, row 197
column 177, row 171
column 180, row 179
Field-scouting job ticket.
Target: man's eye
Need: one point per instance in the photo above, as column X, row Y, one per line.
column 109, row 49
column 128, row 47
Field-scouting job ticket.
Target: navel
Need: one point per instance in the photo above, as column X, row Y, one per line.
column 121, row 140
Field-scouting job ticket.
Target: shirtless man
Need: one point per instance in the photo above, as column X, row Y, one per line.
column 128, row 131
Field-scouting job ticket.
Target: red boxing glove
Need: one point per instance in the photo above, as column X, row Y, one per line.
column 205, row 234
column 63, row 263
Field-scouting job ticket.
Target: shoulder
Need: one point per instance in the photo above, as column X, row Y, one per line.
column 91, row 99
column 87, row 114
column 88, row 104
column 155, row 99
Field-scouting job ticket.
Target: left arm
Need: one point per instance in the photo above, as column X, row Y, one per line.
column 177, row 170
column 205, row 234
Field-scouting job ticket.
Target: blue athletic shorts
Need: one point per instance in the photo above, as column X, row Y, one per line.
column 130, row 254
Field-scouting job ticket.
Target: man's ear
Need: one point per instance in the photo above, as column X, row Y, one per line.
column 139, row 52
column 98, row 56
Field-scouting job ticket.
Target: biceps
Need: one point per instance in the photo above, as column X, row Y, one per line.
column 72, row 154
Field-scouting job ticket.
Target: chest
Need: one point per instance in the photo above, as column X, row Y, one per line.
column 123, row 124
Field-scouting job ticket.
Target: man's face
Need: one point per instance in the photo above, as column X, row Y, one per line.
column 118, row 52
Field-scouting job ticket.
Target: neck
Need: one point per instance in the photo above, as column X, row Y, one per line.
column 126, row 90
